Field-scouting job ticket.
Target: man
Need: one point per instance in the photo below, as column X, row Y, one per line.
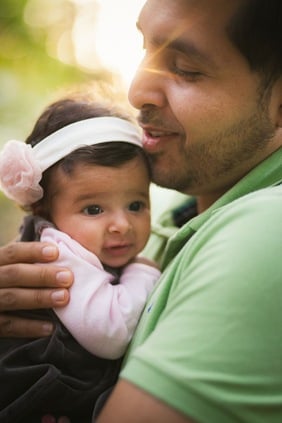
column 208, row 347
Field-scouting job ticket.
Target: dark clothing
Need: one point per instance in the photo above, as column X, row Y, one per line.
column 53, row 375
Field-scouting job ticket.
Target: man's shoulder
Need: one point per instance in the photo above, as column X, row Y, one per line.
column 240, row 231
column 263, row 203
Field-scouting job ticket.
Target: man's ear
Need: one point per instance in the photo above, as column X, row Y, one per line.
column 278, row 93
column 280, row 116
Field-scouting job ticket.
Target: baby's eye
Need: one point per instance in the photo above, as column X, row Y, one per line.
column 92, row 210
column 136, row 206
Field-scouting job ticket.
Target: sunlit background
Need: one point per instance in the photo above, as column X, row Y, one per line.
column 118, row 44
column 51, row 46
column 90, row 33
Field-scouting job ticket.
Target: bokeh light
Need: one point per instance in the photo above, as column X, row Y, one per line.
column 90, row 33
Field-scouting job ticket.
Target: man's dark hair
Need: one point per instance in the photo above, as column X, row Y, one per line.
column 256, row 30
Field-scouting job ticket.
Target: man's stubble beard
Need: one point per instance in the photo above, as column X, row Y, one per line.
column 207, row 162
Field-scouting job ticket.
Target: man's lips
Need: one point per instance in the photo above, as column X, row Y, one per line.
column 153, row 137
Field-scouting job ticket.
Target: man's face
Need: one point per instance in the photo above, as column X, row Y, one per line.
column 205, row 123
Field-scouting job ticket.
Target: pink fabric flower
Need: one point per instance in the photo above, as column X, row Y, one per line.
column 20, row 173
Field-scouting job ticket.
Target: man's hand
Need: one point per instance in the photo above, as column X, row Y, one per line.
column 24, row 285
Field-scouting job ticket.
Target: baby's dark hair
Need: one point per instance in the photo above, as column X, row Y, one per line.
column 73, row 109
column 68, row 110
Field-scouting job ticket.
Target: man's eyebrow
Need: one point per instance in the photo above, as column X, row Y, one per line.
column 188, row 48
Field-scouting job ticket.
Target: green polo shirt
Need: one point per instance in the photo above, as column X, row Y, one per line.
column 209, row 342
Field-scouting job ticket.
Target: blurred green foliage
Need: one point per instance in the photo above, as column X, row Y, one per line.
column 30, row 76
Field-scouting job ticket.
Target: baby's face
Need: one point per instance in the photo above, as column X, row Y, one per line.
column 105, row 209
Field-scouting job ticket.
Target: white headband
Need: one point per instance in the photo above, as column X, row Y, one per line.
column 21, row 166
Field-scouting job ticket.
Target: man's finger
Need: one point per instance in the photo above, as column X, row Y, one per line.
column 30, row 275
column 12, row 326
column 27, row 252
column 24, row 299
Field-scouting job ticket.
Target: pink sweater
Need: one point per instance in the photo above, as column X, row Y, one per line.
column 101, row 317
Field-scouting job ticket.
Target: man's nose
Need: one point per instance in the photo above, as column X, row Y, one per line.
column 147, row 86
